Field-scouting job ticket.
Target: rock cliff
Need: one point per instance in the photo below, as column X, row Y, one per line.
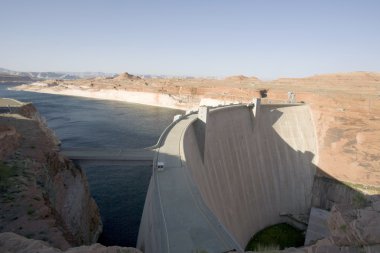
column 43, row 195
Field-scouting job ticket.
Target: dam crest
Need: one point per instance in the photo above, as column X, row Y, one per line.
column 228, row 173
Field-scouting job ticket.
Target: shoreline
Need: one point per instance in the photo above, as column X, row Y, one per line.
column 135, row 97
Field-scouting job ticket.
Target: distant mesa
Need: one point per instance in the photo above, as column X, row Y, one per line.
column 358, row 75
column 236, row 78
column 7, row 75
column 126, row 76
column 336, row 78
column 239, row 78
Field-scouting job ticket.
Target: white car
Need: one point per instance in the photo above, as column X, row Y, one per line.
column 160, row 166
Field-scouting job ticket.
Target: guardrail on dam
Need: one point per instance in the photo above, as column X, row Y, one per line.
column 229, row 172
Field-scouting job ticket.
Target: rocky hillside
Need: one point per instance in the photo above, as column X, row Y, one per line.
column 43, row 195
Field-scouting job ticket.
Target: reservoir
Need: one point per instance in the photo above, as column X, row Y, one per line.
column 118, row 189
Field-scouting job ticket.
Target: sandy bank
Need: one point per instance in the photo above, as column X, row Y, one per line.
column 138, row 97
column 144, row 98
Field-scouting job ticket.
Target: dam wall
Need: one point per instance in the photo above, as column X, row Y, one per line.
column 152, row 227
column 252, row 164
column 228, row 173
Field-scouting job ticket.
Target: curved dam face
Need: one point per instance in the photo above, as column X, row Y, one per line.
column 229, row 173
column 253, row 168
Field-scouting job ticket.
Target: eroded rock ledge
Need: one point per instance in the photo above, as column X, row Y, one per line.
column 11, row 242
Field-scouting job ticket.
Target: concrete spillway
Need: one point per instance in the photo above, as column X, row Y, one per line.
column 229, row 172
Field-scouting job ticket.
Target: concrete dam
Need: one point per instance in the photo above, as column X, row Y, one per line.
column 228, row 173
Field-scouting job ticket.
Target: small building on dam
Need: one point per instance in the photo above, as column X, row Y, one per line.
column 228, row 172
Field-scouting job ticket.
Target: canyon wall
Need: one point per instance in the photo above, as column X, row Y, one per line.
column 44, row 195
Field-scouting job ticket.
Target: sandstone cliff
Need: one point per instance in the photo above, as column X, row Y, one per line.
column 43, row 195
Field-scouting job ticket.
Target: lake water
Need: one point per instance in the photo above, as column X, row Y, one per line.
column 119, row 190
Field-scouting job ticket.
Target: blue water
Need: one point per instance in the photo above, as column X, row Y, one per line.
column 119, row 190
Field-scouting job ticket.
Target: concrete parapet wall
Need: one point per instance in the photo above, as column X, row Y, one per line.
column 253, row 170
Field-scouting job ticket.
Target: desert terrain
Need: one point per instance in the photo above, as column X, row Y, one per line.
column 345, row 106
column 346, row 117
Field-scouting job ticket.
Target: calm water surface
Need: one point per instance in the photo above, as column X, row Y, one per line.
column 119, row 190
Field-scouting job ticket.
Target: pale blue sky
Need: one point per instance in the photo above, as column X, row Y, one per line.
column 267, row 39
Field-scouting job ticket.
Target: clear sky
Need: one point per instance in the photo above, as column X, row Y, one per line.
column 267, row 39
